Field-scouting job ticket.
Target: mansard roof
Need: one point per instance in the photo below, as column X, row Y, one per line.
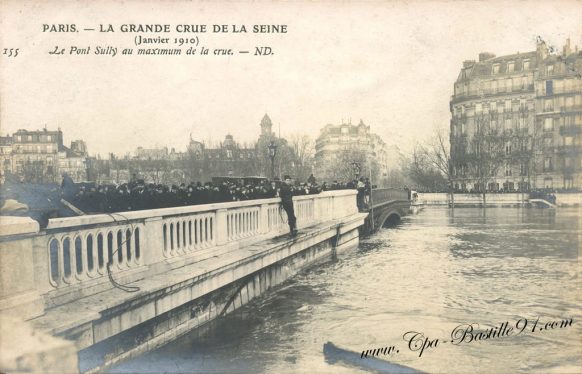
column 484, row 69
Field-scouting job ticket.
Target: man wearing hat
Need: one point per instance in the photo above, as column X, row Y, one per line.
column 286, row 194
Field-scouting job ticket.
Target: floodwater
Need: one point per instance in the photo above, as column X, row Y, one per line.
column 434, row 272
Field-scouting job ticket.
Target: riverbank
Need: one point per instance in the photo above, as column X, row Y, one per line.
column 500, row 199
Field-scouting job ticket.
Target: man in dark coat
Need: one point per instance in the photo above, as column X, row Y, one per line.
column 286, row 194
column 311, row 179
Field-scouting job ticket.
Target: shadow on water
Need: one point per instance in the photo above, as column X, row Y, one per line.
column 236, row 342
column 393, row 220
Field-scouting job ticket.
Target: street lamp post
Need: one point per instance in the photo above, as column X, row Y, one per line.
column 272, row 147
column 357, row 168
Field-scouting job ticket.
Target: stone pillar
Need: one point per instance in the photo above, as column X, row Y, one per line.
column 19, row 290
column 221, row 227
column 152, row 241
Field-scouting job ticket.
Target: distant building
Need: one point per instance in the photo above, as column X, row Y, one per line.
column 40, row 157
column 346, row 150
column 266, row 126
column 35, row 155
column 516, row 122
column 151, row 154
column 73, row 162
column 5, row 156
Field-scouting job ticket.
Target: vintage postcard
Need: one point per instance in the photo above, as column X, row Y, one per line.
column 290, row 187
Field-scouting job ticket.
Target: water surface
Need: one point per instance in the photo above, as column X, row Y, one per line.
column 433, row 272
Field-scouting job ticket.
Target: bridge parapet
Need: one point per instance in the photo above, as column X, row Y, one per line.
column 384, row 195
column 71, row 255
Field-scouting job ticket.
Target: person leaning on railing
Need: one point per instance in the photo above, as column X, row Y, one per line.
column 286, row 195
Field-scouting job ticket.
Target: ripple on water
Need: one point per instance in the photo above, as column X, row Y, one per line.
column 433, row 272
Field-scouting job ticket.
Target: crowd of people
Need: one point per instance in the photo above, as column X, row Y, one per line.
column 137, row 195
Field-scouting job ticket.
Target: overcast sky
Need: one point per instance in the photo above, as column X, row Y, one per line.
column 391, row 64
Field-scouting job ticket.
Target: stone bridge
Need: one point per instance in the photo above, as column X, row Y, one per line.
column 103, row 288
column 387, row 207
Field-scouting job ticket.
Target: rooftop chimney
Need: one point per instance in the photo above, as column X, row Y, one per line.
column 566, row 50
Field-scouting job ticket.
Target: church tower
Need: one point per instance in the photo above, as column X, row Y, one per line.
column 266, row 126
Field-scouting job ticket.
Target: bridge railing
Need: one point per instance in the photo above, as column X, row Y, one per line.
column 79, row 251
column 383, row 195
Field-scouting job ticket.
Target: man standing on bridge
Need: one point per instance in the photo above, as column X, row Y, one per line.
column 286, row 194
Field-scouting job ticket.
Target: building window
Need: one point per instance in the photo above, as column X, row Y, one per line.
column 508, row 105
column 509, row 84
column 549, row 88
column 507, row 127
column 478, row 108
column 550, row 69
column 495, row 68
column 508, row 148
column 568, row 140
column 548, row 164
column 523, row 169
column 493, row 127
column 507, row 169
column 525, row 64
column 510, row 66
column 568, row 182
column 548, row 124
column 548, row 105
column 493, row 86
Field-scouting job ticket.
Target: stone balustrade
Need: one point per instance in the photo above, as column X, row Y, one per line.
column 80, row 252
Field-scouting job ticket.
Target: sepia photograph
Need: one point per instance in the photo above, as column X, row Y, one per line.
column 263, row 187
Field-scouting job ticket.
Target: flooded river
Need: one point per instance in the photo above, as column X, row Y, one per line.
column 438, row 275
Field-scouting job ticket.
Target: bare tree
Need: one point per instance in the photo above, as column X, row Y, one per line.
column 420, row 168
column 303, row 148
column 350, row 162
column 438, row 153
column 486, row 153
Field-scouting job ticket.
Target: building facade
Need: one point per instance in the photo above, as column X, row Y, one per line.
column 40, row 157
column 559, row 120
column 35, row 155
column 73, row 161
column 345, row 151
column 505, row 134
column 5, row 156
